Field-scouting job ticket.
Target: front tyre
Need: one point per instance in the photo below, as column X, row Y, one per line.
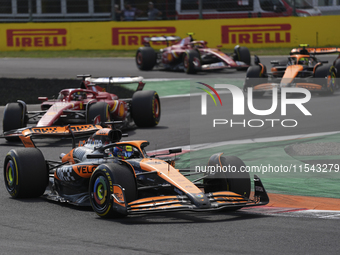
column 337, row 67
column 191, row 61
column 234, row 178
column 146, row 58
column 242, row 54
column 326, row 77
column 14, row 118
column 25, row 173
column 146, row 108
column 255, row 75
column 101, row 188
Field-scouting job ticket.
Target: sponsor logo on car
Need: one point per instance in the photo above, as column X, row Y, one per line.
column 31, row 38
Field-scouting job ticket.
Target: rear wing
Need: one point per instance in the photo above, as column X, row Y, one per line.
column 315, row 51
column 166, row 39
column 72, row 131
column 114, row 80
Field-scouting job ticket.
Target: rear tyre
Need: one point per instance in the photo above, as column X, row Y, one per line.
column 14, row 118
column 25, row 173
column 254, row 73
column 98, row 113
column 326, row 76
column 101, row 189
column 242, row 54
column 191, row 61
column 146, row 58
column 146, row 108
column 238, row 182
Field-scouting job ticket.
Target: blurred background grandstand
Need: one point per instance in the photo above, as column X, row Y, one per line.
column 100, row 10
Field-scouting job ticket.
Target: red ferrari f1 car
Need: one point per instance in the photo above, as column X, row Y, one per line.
column 118, row 178
column 301, row 70
column 88, row 104
column 189, row 55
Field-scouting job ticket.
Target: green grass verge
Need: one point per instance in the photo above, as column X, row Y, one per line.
column 317, row 182
column 115, row 53
column 180, row 87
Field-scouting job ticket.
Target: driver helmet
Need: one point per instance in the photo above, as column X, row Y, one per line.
column 79, row 96
column 303, row 61
column 123, row 152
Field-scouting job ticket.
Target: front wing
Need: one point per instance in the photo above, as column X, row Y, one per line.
column 26, row 133
column 306, row 85
column 309, row 83
column 218, row 201
column 223, row 65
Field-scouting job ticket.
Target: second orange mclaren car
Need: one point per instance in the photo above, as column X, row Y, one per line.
column 302, row 70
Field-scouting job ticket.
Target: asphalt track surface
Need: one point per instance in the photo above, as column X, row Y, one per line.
column 69, row 68
column 34, row 226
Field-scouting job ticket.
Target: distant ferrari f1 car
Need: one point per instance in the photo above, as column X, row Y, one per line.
column 118, row 178
column 189, row 55
column 88, row 104
column 302, row 70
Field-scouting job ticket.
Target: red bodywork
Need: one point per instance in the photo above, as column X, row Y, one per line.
column 68, row 100
column 175, row 52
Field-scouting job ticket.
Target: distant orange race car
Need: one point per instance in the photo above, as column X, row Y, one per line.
column 117, row 178
column 302, row 70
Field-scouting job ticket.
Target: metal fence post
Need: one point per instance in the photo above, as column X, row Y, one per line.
column 30, row 10
column 113, row 11
column 294, row 8
column 200, row 9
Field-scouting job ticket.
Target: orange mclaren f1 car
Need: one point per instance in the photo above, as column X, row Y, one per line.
column 302, row 70
column 118, row 178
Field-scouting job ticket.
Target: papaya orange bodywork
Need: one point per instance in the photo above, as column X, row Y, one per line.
column 290, row 73
column 170, row 174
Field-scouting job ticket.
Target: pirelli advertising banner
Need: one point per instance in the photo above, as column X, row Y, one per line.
column 252, row 33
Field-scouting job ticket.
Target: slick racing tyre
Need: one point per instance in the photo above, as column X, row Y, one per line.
column 233, row 179
column 146, row 108
column 337, row 67
column 242, row 54
column 101, row 188
column 146, row 58
column 25, row 173
column 255, row 76
column 326, row 76
column 14, row 118
column 191, row 61
column 97, row 113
